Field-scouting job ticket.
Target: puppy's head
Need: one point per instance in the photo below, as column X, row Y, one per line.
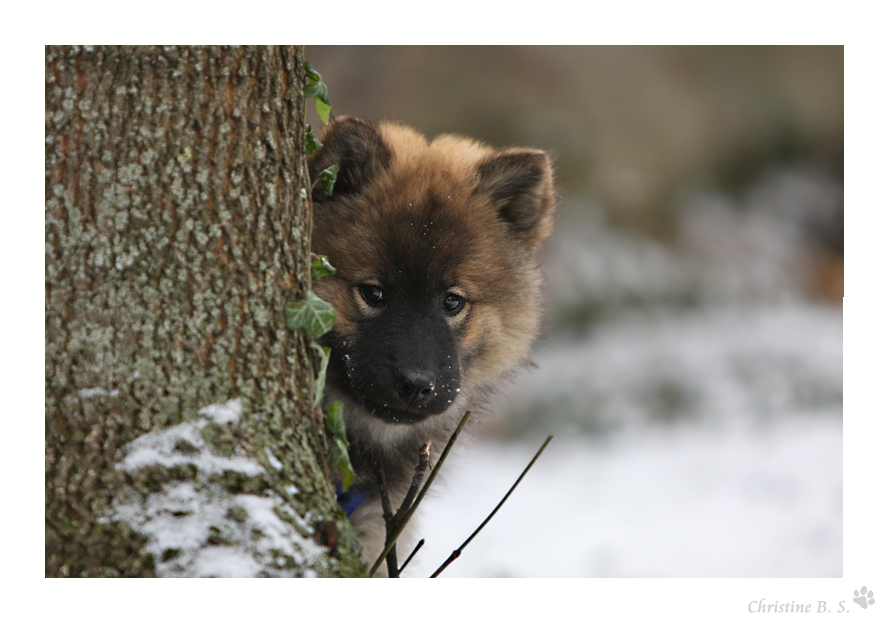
column 436, row 289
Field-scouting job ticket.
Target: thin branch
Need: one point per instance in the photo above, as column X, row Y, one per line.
column 423, row 463
column 392, row 521
column 411, row 555
column 392, row 560
column 312, row 188
column 456, row 553
column 390, row 541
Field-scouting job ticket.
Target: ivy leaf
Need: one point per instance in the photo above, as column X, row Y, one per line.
column 340, row 447
column 328, row 178
column 311, row 74
column 321, row 268
column 314, row 85
column 323, row 108
column 334, row 420
column 312, row 143
column 340, row 459
column 321, row 376
column 316, row 88
column 313, row 314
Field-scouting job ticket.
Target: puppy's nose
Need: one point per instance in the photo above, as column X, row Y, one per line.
column 415, row 386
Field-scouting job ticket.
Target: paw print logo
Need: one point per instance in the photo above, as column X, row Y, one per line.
column 864, row 597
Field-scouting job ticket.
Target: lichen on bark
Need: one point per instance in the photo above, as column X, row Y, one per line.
column 176, row 235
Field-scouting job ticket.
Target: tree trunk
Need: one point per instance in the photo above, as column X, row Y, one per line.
column 178, row 436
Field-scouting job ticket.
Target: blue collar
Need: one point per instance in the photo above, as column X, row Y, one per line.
column 350, row 500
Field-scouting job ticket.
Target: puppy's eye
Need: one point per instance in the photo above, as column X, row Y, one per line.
column 372, row 294
column 453, row 303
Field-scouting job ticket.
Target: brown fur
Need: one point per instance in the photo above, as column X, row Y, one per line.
column 451, row 217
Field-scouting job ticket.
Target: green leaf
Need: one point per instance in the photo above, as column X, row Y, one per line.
column 323, row 108
column 321, row 376
column 311, row 74
column 312, row 143
column 340, row 447
column 328, row 178
column 321, row 268
column 334, row 420
column 313, row 314
column 316, row 88
column 340, row 460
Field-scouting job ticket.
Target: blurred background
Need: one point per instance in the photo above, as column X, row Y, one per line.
column 692, row 364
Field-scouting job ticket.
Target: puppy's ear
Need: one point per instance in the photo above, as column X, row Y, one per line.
column 519, row 183
column 355, row 146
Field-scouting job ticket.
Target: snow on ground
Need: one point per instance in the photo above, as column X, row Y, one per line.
column 720, row 363
column 687, row 501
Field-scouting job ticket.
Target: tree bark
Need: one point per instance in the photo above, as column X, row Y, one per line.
column 178, row 435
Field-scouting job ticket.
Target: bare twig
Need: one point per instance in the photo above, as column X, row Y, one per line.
column 392, row 560
column 411, row 555
column 393, row 522
column 423, row 463
column 391, row 540
column 456, row 553
column 390, row 521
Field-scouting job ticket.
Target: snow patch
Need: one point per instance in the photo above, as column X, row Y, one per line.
column 224, row 413
column 197, row 528
column 273, row 461
column 182, row 445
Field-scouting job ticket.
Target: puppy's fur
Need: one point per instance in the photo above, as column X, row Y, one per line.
column 437, row 290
